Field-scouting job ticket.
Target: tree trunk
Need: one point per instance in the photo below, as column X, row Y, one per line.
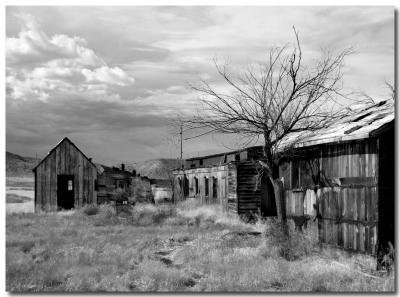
column 280, row 203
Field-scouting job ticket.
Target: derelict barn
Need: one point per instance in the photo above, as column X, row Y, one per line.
column 343, row 175
column 347, row 171
column 64, row 179
column 228, row 179
column 110, row 179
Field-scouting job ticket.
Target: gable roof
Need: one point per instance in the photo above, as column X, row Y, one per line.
column 58, row 144
column 364, row 121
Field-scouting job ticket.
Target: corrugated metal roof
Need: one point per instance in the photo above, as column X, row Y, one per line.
column 361, row 122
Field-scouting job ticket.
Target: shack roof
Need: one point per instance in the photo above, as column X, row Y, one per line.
column 363, row 121
column 57, row 145
column 225, row 153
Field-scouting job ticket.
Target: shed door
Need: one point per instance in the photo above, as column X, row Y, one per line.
column 65, row 191
column 268, row 206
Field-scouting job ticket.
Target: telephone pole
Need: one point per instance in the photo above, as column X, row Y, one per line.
column 181, row 148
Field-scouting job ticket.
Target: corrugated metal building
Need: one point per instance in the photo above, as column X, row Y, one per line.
column 64, row 179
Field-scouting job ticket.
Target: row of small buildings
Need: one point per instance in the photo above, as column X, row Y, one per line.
column 66, row 178
column 343, row 175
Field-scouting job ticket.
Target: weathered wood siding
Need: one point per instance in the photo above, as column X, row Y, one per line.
column 64, row 159
column 347, row 198
column 219, row 174
column 237, row 189
column 249, row 194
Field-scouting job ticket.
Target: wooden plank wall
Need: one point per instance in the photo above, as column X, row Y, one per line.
column 249, row 196
column 232, row 201
column 349, row 209
column 65, row 159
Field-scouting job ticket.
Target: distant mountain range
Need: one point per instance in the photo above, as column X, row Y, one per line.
column 17, row 165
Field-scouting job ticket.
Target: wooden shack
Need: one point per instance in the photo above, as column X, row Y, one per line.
column 228, row 179
column 64, row 179
column 341, row 178
column 110, row 179
column 345, row 175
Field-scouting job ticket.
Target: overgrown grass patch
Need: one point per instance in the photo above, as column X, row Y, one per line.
column 163, row 248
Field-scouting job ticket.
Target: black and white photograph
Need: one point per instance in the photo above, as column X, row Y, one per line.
column 198, row 148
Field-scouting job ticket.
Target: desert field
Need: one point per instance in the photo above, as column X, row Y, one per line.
column 165, row 248
column 20, row 195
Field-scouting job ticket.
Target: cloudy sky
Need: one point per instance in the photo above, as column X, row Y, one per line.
column 111, row 78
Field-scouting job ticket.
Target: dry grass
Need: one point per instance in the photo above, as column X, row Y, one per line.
column 166, row 249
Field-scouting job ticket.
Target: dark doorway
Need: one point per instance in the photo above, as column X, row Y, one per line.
column 215, row 189
column 186, row 187
column 65, row 192
column 268, row 206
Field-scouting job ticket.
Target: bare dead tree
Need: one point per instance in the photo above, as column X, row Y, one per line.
column 279, row 97
column 392, row 90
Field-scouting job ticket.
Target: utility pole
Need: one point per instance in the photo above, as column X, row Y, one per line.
column 181, row 148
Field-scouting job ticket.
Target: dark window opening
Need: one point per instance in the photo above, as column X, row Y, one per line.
column 186, row 187
column 201, row 162
column 206, row 186
column 196, row 186
column 237, row 157
column 215, row 188
column 295, row 174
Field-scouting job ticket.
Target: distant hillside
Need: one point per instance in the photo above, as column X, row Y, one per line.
column 157, row 168
column 17, row 165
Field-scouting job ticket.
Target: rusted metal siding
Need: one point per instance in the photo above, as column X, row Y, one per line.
column 65, row 159
column 347, row 196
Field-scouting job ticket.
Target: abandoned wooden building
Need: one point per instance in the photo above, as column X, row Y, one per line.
column 228, row 179
column 343, row 175
column 64, row 179
column 110, row 179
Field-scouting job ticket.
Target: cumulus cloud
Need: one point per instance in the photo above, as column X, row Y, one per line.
column 41, row 67
column 70, row 69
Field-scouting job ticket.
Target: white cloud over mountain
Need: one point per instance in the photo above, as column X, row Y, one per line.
column 39, row 66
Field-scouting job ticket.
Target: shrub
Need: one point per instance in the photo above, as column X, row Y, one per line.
column 120, row 195
column 106, row 216
column 91, row 210
column 148, row 214
column 290, row 247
